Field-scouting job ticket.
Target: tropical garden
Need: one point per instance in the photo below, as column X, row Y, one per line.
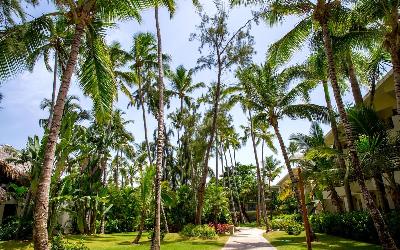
column 85, row 181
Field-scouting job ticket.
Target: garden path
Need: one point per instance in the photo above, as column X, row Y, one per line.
column 248, row 239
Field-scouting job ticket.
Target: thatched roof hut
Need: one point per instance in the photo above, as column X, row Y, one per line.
column 10, row 171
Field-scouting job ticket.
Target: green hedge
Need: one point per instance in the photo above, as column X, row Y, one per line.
column 357, row 225
column 291, row 223
column 200, row 231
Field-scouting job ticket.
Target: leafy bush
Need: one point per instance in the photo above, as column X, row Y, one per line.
column 291, row 223
column 220, row 228
column 357, row 225
column 201, row 231
column 58, row 243
column 294, row 229
column 14, row 228
column 216, row 205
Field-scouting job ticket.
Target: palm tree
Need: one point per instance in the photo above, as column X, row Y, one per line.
column 144, row 55
column 325, row 16
column 155, row 243
column 318, row 161
column 269, row 93
column 316, row 73
column 384, row 16
column 11, row 9
column 95, row 77
column 57, row 42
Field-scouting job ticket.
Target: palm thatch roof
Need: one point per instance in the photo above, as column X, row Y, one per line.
column 11, row 171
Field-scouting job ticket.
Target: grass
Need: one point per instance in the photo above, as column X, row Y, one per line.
column 282, row 241
column 122, row 241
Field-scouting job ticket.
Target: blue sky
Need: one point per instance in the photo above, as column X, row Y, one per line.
column 20, row 112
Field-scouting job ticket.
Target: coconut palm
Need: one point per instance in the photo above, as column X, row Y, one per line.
column 318, row 161
column 95, row 76
column 170, row 4
column 315, row 70
column 269, row 93
column 12, row 8
column 326, row 16
column 384, row 16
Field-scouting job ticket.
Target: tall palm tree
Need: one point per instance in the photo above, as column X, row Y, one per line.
column 182, row 85
column 326, row 16
column 170, row 4
column 384, row 15
column 95, row 77
column 269, row 93
column 57, row 42
column 316, row 71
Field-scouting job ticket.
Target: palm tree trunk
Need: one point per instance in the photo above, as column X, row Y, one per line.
column 293, row 179
column 216, row 159
column 394, row 52
column 335, row 198
column 355, row 87
column 156, row 241
column 380, row 225
column 141, row 225
column 230, row 189
column 303, row 207
column 380, row 185
column 394, row 190
column 165, row 218
column 261, row 192
column 141, row 99
column 53, row 93
column 180, row 161
column 42, row 195
column 236, row 190
column 338, row 146
column 202, row 184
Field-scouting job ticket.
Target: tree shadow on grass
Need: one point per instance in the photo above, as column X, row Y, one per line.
column 13, row 244
column 324, row 242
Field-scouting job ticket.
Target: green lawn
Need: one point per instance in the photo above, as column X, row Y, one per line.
column 282, row 241
column 123, row 241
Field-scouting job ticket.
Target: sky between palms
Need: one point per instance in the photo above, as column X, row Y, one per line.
column 20, row 112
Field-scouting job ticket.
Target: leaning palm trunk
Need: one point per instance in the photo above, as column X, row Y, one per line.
column 261, row 193
column 155, row 243
column 335, row 198
column 42, row 197
column 338, row 146
column 293, row 179
column 380, row 225
column 355, row 87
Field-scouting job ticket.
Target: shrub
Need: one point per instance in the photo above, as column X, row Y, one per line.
column 291, row 223
column 14, row 228
column 58, row 243
column 294, row 229
column 220, row 228
column 201, row 231
column 357, row 225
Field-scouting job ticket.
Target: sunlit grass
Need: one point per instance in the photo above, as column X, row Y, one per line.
column 282, row 241
column 123, row 241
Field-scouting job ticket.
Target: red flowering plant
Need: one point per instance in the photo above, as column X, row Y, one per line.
column 220, row 228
